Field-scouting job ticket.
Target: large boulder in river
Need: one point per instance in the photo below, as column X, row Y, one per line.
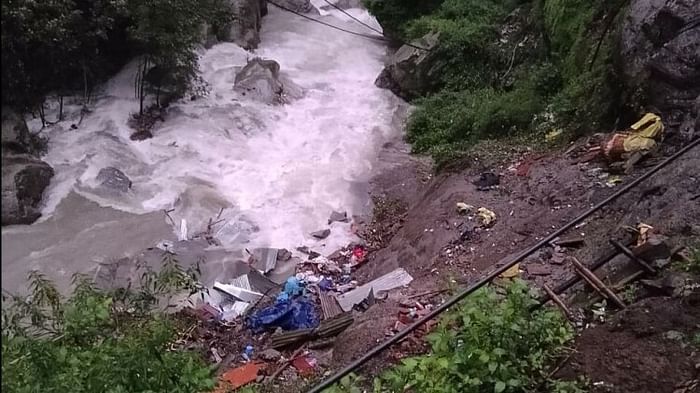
column 410, row 71
column 244, row 29
column 24, row 179
column 260, row 79
column 114, row 179
column 660, row 52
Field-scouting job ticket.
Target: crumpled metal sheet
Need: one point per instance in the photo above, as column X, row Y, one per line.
column 394, row 279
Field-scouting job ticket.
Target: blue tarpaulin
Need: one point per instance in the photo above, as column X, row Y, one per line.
column 291, row 314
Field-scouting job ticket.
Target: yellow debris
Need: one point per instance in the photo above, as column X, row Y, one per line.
column 463, row 208
column 514, row 271
column 553, row 136
column 644, row 232
column 486, row 216
column 644, row 133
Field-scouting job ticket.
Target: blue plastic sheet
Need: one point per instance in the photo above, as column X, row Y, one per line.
column 291, row 314
column 293, row 287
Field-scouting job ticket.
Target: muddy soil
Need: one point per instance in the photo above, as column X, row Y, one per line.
column 536, row 194
column 644, row 349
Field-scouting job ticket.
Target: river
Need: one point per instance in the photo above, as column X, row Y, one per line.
column 278, row 171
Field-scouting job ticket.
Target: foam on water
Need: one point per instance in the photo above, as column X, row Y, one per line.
column 278, row 171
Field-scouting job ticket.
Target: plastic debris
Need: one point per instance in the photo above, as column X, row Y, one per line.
column 232, row 311
column 292, row 314
column 644, row 231
column 325, row 284
column 513, row 271
column 612, row 181
column 642, row 136
column 486, row 216
column 293, row 287
column 463, row 208
column 248, row 353
column 305, row 364
column 358, row 255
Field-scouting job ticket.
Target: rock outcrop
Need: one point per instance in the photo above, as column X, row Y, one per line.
column 24, row 176
column 410, row 71
column 244, row 30
column 300, row 6
column 114, row 179
column 16, row 137
column 24, row 179
column 660, row 53
column 260, row 79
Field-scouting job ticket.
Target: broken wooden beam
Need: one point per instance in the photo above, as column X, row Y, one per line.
column 327, row 328
column 597, row 283
column 621, row 247
column 557, row 300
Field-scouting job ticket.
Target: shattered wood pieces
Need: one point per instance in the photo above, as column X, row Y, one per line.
column 395, row 279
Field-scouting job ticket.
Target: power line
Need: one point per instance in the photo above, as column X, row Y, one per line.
column 370, row 36
column 353, row 18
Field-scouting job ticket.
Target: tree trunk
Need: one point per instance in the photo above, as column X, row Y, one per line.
column 60, row 107
column 142, row 79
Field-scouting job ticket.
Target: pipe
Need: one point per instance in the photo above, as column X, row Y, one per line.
column 452, row 301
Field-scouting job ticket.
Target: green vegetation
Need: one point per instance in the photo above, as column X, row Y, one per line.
column 56, row 48
column 490, row 343
column 97, row 341
column 692, row 264
column 509, row 67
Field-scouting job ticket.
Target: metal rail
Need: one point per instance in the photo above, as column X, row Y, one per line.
column 485, row 280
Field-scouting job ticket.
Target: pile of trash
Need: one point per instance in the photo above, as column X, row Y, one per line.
column 288, row 300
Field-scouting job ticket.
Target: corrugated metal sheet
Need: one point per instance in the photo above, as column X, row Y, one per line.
column 239, row 293
column 395, row 279
column 329, row 305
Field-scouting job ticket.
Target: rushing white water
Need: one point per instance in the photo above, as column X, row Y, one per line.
column 278, row 171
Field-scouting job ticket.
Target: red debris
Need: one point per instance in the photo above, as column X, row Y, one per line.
column 359, row 253
column 239, row 376
column 306, row 365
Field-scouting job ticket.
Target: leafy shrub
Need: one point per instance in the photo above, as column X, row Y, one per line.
column 97, row 341
column 489, row 343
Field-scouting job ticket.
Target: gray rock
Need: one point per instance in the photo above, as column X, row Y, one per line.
column 260, row 79
column 244, row 30
column 300, row 6
column 338, row 216
column 24, row 179
column 410, row 71
column 321, row 234
column 113, row 178
column 660, row 52
column 16, row 137
column 343, row 5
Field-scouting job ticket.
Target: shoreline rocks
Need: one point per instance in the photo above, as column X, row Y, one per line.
column 24, row 175
column 409, row 72
column 261, row 80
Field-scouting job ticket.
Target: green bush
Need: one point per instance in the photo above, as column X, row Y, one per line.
column 489, row 343
column 96, row 341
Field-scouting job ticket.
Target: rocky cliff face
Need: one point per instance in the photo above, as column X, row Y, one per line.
column 660, row 55
column 24, row 175
column 244, row 30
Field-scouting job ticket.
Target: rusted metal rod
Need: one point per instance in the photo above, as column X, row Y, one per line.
column 596, row 282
